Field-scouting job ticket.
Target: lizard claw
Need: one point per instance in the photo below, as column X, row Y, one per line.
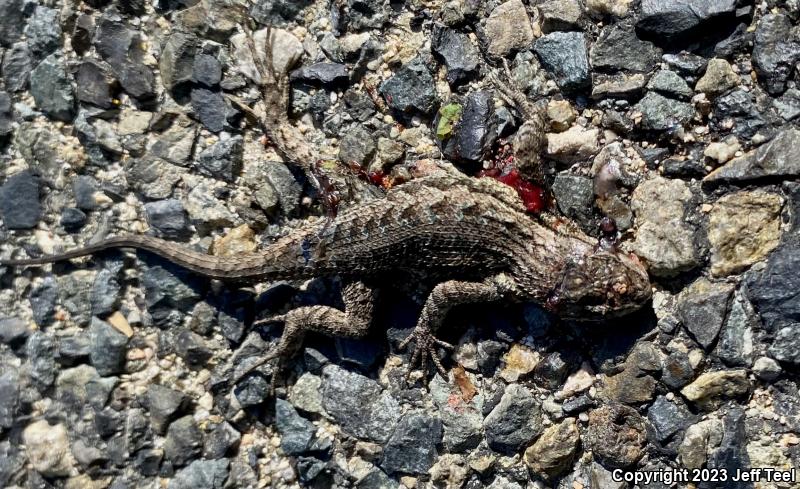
column 425, row 348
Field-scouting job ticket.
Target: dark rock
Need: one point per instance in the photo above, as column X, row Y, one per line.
column 735, row 346
column 113, row 39
column 702, row 308
column 457, row 52
column 12, row 330
column 686, row 64
column 168, row 218
column 564, row 56
column 678, row 20
column 358, row 404
column 561, row 15
column 553, row 370
column 9, row 396
column 221, row 440
column 577, row 405
column 776, row 50
column 148, row 461
column 82, row 34
column 773, row 290
column 411, row 89
column 84, row 188
column 619, row 49
column 210, row 108
column 366, row 14
column 309, row 468
column 164, row 405
column 616, row 435
column 202, row 474
column 12, row 462
column 168, row 291
column 106, row 292
column 43, row 32
column 575, row 197
column 193, row 349
column 17, row 66
column 670, row 84
column 43, row 301
column 177, row 61
column 75, row 349
column 72, row 219
column 275, row 11
column 359, row 105
column 207, row 71
column 462, row 419
column 662, row 114
column 12, row 22
column 739, row 106
column 6, row 116
column 41, row 352
column 95, row 86
column 52, row 90
column 184, row 441
column 668, row 418
column 326, row 74
column 412, row 447
column 357, row 146
column 779, row 158
column 252, row 391
column 515, row 421
column 683, row 168
column 137, row 80
column 786, row 346
column 376, row 479
column 297, row 433
column 109, row 348
column 678, row 370
column 476, row 131
column 731, row 457
column 788, row 104
column 739, row 41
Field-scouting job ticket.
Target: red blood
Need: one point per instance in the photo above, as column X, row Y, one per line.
column 532, row 196
column 376, row 177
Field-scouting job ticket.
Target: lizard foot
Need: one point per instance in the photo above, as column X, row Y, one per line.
column 425, row 347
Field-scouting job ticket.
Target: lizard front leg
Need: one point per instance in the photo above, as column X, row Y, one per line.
column 359, row 301
column 441, row 299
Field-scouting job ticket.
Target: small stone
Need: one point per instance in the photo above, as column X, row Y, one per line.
column 48, row 448
column 618, row 8
column 515, row 421
column 206, row 70
column 206, row 211
column 221, row 440
column 662, row 114
column 722, row 151
column 457, row 52
column 735, row 346
column 138, row 81
column 306, row 394
column 237, row 242
column 82, row 34
column 9, row 397
column 192, row 348
column 412, row 446
column 12, row 22
column 12, row 330
column 357, row 146
column 52, row 90
column 575, row 144
column 554, row 451
column 326, row 74
column 766, row 369
column 19, row 201
column 475, row 131
column 565, row 57
column 519, row 361
column 686, row 63
column 168, row 218
column 411, row 89
column 205, row 474
column 743, row 228
column 700, row 439
column 164, row 405
column 105, row 293
column 460, row 415
column 779, row 158
column 703, row 307
column 788, row 104
column 670, row 84
column 668, row 418
column 711, row 389
column 210, row 108
column 786, row 345
column 560, row 15
column 177, row 61
column 184, row 441
column 616, row 434
column 618, row 48
column 561, row 114
column 676, row 20
column 223, row 159
column 719, row 78
column 108, row 348
column 508, row 29
column 17, row 66
column 94, row 85
column 776, row 50
column 297, row 433
column 176, row 144
column 43, row 31
column 773, row 290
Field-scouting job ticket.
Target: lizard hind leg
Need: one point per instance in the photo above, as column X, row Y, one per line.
column 441, row 299
column 354, row 322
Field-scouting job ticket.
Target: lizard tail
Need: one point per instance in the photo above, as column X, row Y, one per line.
column 201, row 263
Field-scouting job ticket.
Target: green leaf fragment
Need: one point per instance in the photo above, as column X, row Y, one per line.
column 449, row 115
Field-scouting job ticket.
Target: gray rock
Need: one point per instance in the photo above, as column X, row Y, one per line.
column 618, row 48
column 221, row 440
column 41, row 350
column 515, row 421
column 82, row 33
column 767, row 369
column 662, row 114
column 43, row 32
column 779, row 158
column 508, row 29
column 366, row 14
column 786, row 346
column 358, row 404
column 616, row 435
column 12, row 330
column 326, row 74
column 575, row 197
column 106, row 292
column 686, row 63
column 411, row 89
column 457, row 52
column 678, row 371
column 739, row 108
column 670, row 84
column 108, row 348
column 12, row 22
column 184, row 441
column 153, row 178
column 19, row 201
column 207, row 208
column 773, row 290
column 207, row 71
column 6, row 116
column 475, row 133
column 735, row 346
column 113, row 40
column 168, row 290
column 52, row 90
column 564, row 56
column 84, row 188
column 561, row 15
column 703, row 307
column 210, row 108
column 788, row 104
column 776, row 49
column 668, row 418
column 43, row 298
column 676, row 20
column 137, row 80
column 176, row 143
column 94, row 85
column 357, row 146
column 168, row 218
column 177, row 61
column 297, row 433
column 283, row 190
column 9, row 396
column 202, row 474
column 17, row 66
column 164, row 405
column 192, row 348
column 412, row 446
column 462, row 421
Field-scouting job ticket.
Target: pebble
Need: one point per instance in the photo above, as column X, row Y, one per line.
column 19, row 201
column 711, row 389
column 508, row 29
column 554, row 451
column 48, row 448
column 565, row 57
column 515, row 421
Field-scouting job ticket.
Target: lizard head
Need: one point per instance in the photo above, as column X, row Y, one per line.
column 602, row 284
